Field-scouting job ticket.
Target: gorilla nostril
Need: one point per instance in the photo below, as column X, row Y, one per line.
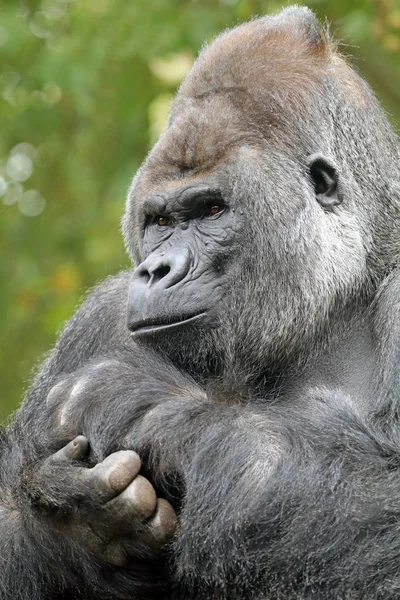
column 161, row 272
column 144, row 275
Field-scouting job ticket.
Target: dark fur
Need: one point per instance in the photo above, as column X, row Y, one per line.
column 277, row 440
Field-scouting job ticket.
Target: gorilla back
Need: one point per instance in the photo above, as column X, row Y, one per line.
column 258, row 382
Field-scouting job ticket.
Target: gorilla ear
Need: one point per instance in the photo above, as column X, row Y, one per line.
column 325, row 178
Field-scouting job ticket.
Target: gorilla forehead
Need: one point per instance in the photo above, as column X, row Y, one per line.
column 201, row 135
column 265, row 84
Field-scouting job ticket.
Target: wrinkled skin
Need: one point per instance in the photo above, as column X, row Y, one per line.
column 187, row 243
column 222, row 422
column 127, row 508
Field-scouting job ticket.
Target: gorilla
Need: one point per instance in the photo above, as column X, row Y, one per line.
column 240, row 438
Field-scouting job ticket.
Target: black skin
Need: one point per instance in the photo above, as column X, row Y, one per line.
column 241, row 439
column 179, row 228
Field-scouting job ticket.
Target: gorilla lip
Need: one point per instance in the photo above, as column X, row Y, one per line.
column 151, row 326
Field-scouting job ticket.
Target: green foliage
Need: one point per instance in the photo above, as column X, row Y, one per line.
column 84, row 89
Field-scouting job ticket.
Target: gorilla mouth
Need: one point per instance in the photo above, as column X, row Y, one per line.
column 153, row 325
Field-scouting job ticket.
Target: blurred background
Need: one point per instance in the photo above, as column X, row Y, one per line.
column 85, row 87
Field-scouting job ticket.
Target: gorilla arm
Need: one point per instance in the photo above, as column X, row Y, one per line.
column 276, row 495
column 319, row 518
column 289, row 493
column 61, row 522
column 48, row 547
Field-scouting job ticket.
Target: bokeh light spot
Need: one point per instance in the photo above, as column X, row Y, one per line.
column 172, row 69
column 31, row 203
column 39, row 25
column 158, row 115
column 13, row 194
column 19, row 167
column 52, row 94
column 24, row 148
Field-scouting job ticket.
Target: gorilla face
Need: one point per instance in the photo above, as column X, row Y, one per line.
column 246, row 257
column 187, row 244
column 190, row 236
column 240, row 221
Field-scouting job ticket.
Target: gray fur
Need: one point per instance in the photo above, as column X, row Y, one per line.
column 274, row 429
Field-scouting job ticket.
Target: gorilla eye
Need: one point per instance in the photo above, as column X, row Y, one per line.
column 163, row 221
column 214, row 210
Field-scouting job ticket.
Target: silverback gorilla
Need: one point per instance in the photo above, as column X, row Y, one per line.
column 240, row 438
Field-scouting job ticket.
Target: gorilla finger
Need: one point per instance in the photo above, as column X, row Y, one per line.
column 137, row 502
column 114, row 473
column 162, row 525
column 75, row 450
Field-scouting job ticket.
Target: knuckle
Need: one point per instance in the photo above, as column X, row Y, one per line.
column 119, row 477
column 120, row 468
column 163, row 524
column 143, row 497
column 57, row 394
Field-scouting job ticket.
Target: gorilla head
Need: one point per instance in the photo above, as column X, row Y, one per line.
column 259, row 219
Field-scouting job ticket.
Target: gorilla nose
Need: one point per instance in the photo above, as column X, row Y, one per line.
column 154, row 304
column 162, row 270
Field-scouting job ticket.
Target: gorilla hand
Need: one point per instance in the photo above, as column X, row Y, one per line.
column 110, row 509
